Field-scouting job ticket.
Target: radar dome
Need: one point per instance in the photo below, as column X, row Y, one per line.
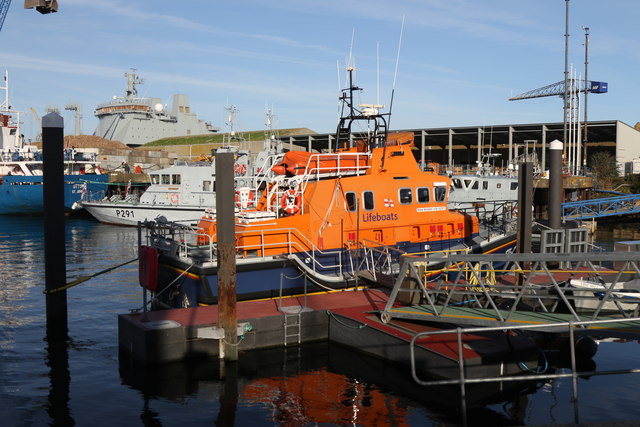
column 158, row 107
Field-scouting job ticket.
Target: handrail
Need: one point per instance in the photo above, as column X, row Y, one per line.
column 607, row 206
column 186, row 244
column 519, row 290
column 463, row 380
column 317, row 158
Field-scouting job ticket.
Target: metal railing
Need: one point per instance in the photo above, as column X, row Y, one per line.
column 374, row 258
column 182, row 240
column 598, row 208
column 315, row 168
column 535, row 280
column 463, row 380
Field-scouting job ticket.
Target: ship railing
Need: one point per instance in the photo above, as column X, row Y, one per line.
column 263, row 174
column 94, row 196
column 533, row 375
column 187, row 242
column 170, row 237
column 374, row 259
column 275, row 186
column 342, row 164
column 296, row 244
column 272, row 188
column 486, row 169
column 345, row 164
column 120, row 101
column 496, row 217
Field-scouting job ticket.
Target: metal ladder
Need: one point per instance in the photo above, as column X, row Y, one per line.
column 292, row 328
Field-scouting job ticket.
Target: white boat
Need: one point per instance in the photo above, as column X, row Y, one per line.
column 588, row 295
column 185, row 191
column 484, row 193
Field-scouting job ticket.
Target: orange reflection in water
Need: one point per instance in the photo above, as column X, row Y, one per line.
column 325, row 397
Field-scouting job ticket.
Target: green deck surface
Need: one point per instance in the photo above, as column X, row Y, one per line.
column 489, row 317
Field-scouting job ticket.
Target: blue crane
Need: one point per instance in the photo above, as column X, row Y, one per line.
column 4, row 8
column 557, row 89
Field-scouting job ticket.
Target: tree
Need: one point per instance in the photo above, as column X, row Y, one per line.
column 604, row 168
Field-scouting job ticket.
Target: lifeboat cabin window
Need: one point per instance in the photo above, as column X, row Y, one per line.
column 155, row 179
column 514, row 185
column 352, row 201
column 457, row 183
column 166, row 179
column 475, row 185
column 175, row 179
column 206, row 185
column 367, row 200
column 485, row 185
column 405, row 196
column 440, row 193
column 423, row 194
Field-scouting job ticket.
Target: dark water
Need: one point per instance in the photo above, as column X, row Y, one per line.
column 88, row 382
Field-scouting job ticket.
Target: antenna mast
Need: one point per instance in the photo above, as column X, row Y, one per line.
column 586, row 91
column 395, row 74
column 566, row 76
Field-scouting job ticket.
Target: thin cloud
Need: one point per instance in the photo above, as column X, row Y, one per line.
column 130, row 11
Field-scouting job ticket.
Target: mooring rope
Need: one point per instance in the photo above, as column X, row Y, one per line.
column 360, row 326
column 85, row 278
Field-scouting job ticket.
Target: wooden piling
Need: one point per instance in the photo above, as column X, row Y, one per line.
column 225, row 230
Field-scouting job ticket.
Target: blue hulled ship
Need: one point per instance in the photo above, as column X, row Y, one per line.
column 21, row 169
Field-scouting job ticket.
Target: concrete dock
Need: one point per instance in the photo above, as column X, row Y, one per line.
column 178, row 334
column 349, row 318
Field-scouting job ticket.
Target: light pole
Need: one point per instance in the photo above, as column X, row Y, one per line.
column 586, row 92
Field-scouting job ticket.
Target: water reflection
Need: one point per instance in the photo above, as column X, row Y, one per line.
column 90, row 247
column 229, row 395
column 322, row 383
column 319, row 383
column 22, row 265
column 60, row 379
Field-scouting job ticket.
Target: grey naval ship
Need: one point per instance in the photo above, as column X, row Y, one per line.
column 135, row 120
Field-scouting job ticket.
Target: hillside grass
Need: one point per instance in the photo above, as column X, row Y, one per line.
column 217, row 138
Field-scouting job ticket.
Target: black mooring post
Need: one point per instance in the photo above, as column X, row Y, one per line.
column 226, row 241
column 525, row 215
column 55, row 270
column 555, row 184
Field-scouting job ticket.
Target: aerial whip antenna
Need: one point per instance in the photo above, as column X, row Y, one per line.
column 377, row 72
column 350, row 60
column 395, row 74
column 339, row 85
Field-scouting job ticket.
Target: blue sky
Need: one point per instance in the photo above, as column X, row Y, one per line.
column 459, row 60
